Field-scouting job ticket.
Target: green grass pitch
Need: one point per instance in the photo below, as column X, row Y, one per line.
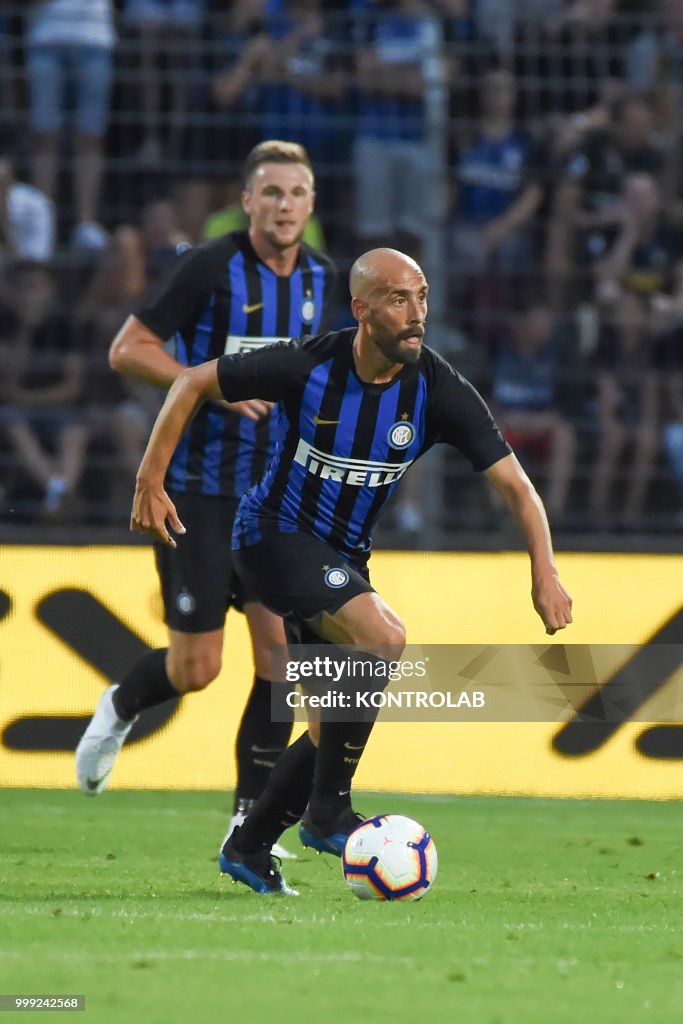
column 543, row 912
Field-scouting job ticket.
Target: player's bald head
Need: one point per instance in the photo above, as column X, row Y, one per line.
column 379, row 270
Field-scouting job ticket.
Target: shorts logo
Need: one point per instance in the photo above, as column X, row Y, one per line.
column 185, row 603
column 308, row 310
column 336, row 578
column 401, row 434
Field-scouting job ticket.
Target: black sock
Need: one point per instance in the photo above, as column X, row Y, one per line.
column 145, row 686
column 342, row 742
column 284, row 799
column 262, row 737
column 340, row 749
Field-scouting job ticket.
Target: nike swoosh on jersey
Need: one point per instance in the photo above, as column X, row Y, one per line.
column 252, row 309
column 266, row 750
column 350, row 746
column 324, row 423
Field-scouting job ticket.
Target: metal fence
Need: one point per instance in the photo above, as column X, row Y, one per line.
column 527, row 153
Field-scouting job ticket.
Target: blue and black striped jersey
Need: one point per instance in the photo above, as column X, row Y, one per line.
column 344, row 444
column 220, row 298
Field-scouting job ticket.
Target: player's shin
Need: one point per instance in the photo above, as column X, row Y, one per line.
column 283, row 801
column 263, row 735
column 344, row 733
column 144, row 686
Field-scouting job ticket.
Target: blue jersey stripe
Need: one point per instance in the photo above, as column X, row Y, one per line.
column 358, row 526
column 200, row 351
column 180, row 348
column 379, row 452
column 202, row 337
column 296, row 299
column 244, row 459
column 239, row 296
column 269, row 299
column 246, row 530
column 274, row 428
column 177, row 471
column 343, row 443
column 215, row 425
column 319, row 276
column 298, row 475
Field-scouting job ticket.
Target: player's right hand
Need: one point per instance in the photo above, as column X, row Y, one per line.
column 151, row 508
column 252, row 408
column 552, row 602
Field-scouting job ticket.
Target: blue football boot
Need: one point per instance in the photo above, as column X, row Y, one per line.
column 260, row 871
column 330, row 836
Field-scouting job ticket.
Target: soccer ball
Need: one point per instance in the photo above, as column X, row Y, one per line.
column 389, row 857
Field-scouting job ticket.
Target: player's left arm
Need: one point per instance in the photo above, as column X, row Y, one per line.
column 459, row 416
column 551, row 600
column 152, row 506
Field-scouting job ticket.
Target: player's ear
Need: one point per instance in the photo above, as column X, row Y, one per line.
column 360, row 310
column 246, row 202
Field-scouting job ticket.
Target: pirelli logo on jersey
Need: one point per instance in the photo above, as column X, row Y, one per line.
column 235, row 344
column 356, row 472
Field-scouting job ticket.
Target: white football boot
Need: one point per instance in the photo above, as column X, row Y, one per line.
column 100, row 745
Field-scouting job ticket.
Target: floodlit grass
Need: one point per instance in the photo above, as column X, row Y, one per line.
column 543, row 912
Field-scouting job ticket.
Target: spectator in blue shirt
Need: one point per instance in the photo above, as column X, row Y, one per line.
column 529, row 367
column 499, row 188
column 393, row 169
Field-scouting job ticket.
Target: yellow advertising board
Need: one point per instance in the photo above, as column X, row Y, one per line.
column 72, row 619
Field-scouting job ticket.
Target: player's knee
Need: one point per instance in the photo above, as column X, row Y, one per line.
column 191, row 674
column 392, row 634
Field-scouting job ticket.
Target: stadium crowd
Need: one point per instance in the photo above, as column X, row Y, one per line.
column 538, row 141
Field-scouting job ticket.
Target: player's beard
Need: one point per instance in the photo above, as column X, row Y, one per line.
column 391, row 348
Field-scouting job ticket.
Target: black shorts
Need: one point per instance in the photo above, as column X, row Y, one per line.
column 299, row 576
column 199, row 583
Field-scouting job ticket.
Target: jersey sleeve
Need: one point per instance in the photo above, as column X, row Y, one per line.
column 182, row 295
column 267, row 373
column 458, row 416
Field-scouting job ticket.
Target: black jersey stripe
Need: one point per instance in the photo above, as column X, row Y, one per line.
column 253, row 303
column 284, row 305
column 264, row 446
column 328, row 412
column 343, row 432
column 243, row 457
column 408, row 410
column 199, row 432
column 270, row 296
column 244, row 293
column 213, row 415
column 361, row 448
